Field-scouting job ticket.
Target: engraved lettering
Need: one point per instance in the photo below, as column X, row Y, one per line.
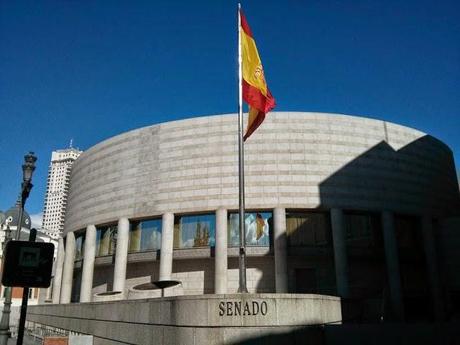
column 221, row 308
column 255, row 308
column 263, row 308
column 237, row 308
column 242, row 308
column 247, row 310
column 229, row 309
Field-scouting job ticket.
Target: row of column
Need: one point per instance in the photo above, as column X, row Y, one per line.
column 62, row 282
column 65, row 259
column 392, row 261
column 63, row 277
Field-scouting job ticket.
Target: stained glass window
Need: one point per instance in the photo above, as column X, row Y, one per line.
column 79, row 245
column 145, row 235
column 257, row 226
column 195, row 231
column 106, row 240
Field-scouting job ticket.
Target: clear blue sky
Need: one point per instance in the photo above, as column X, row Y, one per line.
column 89, row 70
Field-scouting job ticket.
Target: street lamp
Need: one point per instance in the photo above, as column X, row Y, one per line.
column 27, row 171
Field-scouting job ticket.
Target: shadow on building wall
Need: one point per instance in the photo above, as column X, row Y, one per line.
column 422, row 334
column 419, row 177
column 415, row 180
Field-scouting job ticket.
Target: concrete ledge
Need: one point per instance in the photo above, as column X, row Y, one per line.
column 147, row 290
column 108, row 296
column 203, row 319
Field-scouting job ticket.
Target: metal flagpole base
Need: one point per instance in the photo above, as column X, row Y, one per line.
column 243, row 286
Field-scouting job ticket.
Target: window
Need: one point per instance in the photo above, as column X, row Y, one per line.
column 145, row 235
column 79, row 245
column 308, row 229
column 408, row 233
column 362, row 229
column 257, row 227
column 193, row 231
column 106, row 240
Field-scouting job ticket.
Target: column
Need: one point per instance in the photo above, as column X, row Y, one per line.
column 57, row 280
column 88, row 264
column 432, row 267
column 392, row 261
column 167, row 241
column 280, row 249
column 67, row 274
column 340, row 252
column 121, row 255
column 48, row 297
column 221, row 263
column 42, row 293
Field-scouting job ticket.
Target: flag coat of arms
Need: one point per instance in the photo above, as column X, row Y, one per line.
column 255, row 90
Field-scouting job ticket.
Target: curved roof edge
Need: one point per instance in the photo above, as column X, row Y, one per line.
column 198, row 118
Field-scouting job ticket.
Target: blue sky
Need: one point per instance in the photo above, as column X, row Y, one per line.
column 89, row 70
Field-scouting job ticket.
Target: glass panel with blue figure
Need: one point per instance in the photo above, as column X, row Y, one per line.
column 193, row 231
column 145, row 235
column 257, row 226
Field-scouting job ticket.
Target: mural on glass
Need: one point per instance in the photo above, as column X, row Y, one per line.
column 257, row 229
column 195, row 231
column 106, row 240
column 145, row 235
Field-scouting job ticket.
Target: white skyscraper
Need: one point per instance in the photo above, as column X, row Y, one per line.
column 57, row 190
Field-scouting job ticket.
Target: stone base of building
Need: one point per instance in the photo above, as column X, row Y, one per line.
column 203, row 319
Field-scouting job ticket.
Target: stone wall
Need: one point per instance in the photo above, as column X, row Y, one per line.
column 197, row 276
column 190, row 320
column 295, row 160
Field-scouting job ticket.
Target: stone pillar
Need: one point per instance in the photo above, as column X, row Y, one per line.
column 121, row 255
column 167, row 241
column 67, row 275
column 432, row 267
column 48, row 296
column 57, row 280
column 340, row 252
column 221, row 263
column 88, row 264
column 392, row 261
column 280, row 249
column 42, row 293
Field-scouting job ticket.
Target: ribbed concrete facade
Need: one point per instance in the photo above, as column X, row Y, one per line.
column 191, row 166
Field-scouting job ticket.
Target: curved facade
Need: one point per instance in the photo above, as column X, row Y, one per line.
column 191, row 165
column 326, row 196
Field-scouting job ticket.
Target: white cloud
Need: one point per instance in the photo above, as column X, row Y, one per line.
column 37, row 219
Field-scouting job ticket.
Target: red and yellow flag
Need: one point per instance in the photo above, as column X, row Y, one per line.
column 255, row 90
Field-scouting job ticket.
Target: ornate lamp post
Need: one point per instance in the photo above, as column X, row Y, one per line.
column 27, row 171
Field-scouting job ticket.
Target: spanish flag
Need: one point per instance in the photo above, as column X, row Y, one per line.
column 255, row 90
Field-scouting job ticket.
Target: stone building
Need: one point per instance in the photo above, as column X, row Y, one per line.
column 336, row 205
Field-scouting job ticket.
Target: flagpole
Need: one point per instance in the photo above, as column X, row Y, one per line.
column 242, row 255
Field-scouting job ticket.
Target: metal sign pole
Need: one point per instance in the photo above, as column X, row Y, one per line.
column 25, row 299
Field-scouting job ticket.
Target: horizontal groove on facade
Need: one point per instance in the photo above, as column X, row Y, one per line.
column 298, row 160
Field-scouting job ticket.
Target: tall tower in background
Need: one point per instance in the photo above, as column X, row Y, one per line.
column 57, row 190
